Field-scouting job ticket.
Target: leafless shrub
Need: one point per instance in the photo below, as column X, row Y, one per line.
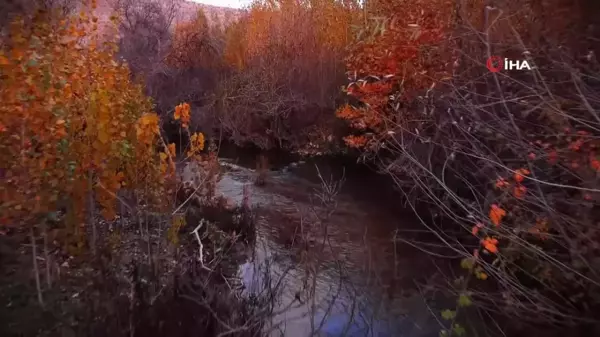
column 145, row 33
column 329, row 188
column 486, row 128
column 146, row 42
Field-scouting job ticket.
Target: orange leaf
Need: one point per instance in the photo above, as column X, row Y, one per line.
column 177, row 114
column 518, row 178
column 172, row 149
column 496, row 214
column 520, row 174
column 519, row 191
column 500, row 183
column 595, row 163
column 476, row 228
column 490, row 245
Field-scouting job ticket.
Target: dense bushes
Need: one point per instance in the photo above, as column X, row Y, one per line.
column 76, row 133
column 82, row 153
column 270, row 79
column 510, row 157
column 287, row 68
column 66, row 117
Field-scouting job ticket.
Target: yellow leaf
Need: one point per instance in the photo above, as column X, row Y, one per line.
column 4, row 61
column 177, row 114
column 172, row 149
column 103, row 136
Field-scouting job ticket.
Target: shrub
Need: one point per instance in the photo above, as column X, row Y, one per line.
column 66, row 118
column 508, row 157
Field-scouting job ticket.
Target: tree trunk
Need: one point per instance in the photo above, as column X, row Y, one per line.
column 36, row 270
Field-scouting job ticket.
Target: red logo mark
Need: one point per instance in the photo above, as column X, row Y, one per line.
column 495, row 63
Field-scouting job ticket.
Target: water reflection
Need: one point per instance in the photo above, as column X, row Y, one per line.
column 338, row 275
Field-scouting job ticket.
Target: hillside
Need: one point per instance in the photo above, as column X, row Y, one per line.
column 184, row 10
column 215, row 14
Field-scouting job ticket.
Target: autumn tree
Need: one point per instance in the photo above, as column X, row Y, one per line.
column 193, row 45
column 74, row 128
column 399, row 52
column 507, row 157
column 287, row 60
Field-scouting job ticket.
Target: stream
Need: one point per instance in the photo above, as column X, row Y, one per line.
column 333, row 266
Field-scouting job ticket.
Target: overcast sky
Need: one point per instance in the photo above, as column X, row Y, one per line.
column 225, row 3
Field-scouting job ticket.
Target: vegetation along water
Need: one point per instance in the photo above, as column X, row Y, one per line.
column 415, row 168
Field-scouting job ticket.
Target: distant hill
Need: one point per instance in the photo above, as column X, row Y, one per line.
column 215, row 14
column 185, row 11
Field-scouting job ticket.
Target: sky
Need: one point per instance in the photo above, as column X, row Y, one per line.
column 225, row 3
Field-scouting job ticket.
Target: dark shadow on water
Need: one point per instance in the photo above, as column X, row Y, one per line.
column 363, row 283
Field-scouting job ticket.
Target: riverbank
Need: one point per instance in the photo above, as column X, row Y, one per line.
column 317, row 254
column 143, row 280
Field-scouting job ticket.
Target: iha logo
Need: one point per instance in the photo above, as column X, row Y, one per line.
column 497, row 63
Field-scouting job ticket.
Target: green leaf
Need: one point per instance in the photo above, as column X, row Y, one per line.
column 481, row 275
column 458, row 330
column 126, row 149
column 448, row 314
column 443, row 333
column 467, row 263
column 464, row 300
column 63, row 145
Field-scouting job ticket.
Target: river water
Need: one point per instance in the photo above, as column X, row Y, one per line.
column 334, row 266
